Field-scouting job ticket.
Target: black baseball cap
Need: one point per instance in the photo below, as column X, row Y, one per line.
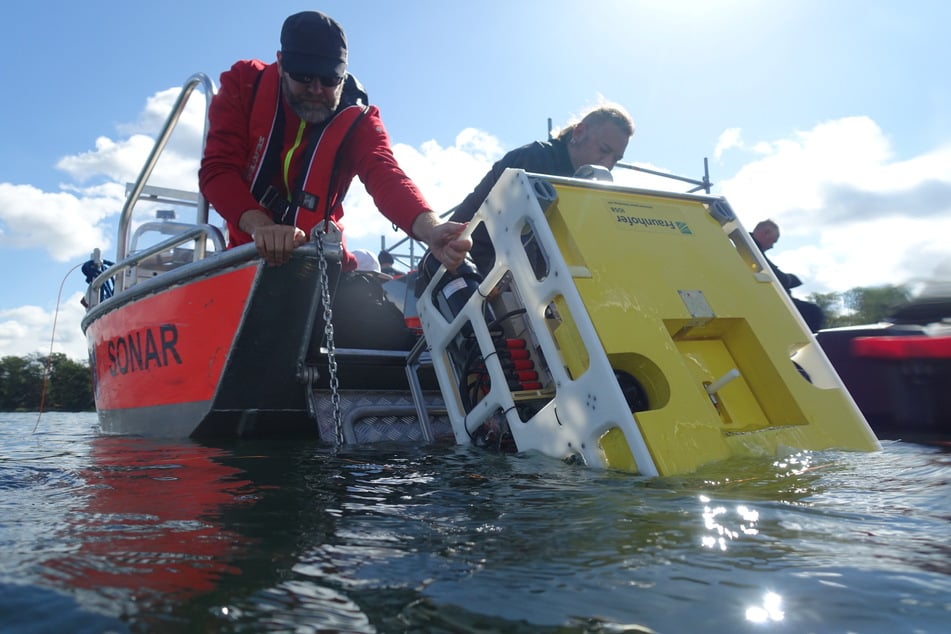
column 313, row 44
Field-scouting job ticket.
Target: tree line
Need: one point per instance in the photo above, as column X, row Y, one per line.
column 57, row 383
column 51, row 383
column 860, row 305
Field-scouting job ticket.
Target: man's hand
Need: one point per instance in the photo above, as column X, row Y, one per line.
column 274, row 242
column 443, row 239
column 446, row 245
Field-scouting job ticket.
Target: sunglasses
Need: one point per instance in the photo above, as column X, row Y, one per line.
column 325, row 80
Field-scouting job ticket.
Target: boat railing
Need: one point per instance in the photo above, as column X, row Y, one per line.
column 703, row 183
column 135, row 192
column 126, row 269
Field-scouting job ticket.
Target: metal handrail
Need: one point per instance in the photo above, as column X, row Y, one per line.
column 705, row 183
column 125, row 219
column 199, row 233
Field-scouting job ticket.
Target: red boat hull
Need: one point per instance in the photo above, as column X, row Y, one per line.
column 154, row 352
column 206, row 353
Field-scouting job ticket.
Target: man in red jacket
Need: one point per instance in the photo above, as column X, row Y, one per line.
column 286, row 139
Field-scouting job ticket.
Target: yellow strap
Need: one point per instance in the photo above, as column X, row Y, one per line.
column 290, row 154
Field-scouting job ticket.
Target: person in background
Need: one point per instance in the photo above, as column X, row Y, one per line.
column 765, row 234
column 366, row 261
column 286, row 139
column 599, row 138
column 387, row 264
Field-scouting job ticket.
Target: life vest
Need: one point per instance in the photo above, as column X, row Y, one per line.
column 318, row 192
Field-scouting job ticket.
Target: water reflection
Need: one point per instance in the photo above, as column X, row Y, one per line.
column 726, row 521
column 714, row 521
column 150, row 521
column 285, row 536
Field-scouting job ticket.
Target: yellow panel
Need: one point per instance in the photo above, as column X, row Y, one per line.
column 616, row 451
column 668, row 287
column 574, row 354
column 735, row 403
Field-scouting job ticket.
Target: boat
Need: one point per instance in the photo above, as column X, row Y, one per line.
column 898, row 370
column 183, row 342
column 620, row 328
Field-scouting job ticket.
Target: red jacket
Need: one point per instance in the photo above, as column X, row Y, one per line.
column 240, row 156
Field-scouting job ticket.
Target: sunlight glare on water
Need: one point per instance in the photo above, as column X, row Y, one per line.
column 770, row 610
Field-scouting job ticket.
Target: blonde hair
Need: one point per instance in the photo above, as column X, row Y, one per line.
column 604, row 112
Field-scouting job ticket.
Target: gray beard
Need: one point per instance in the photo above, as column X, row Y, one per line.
column 312, row 111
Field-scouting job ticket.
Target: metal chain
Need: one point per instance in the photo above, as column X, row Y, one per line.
column 331, row 348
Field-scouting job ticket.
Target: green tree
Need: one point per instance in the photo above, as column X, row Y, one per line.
column 21, row 383
column 831, row 305
column 860, row 305
column 70, row 385
column 869, row 305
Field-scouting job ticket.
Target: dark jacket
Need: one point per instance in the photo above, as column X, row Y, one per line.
column 540, row 157
column 788, row 281
column 811, row 313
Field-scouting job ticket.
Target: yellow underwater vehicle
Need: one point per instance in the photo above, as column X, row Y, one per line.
column 628, row 329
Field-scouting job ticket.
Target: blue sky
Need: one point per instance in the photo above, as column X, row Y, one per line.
column 833, row 117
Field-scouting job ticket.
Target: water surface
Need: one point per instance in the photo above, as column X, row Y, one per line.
column 102, row 534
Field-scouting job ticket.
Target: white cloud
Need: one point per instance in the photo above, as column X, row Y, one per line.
column 730, row 138
column 81, row 215
column 445, row 175
column 30, row 329
column 850, row 215
column 66, row 224
column 121, row 161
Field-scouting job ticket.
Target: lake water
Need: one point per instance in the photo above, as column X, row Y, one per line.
column 101, row 534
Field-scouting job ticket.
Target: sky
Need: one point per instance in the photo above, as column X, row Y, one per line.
column 831, row 117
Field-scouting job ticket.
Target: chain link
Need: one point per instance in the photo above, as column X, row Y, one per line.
column 331, row 348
